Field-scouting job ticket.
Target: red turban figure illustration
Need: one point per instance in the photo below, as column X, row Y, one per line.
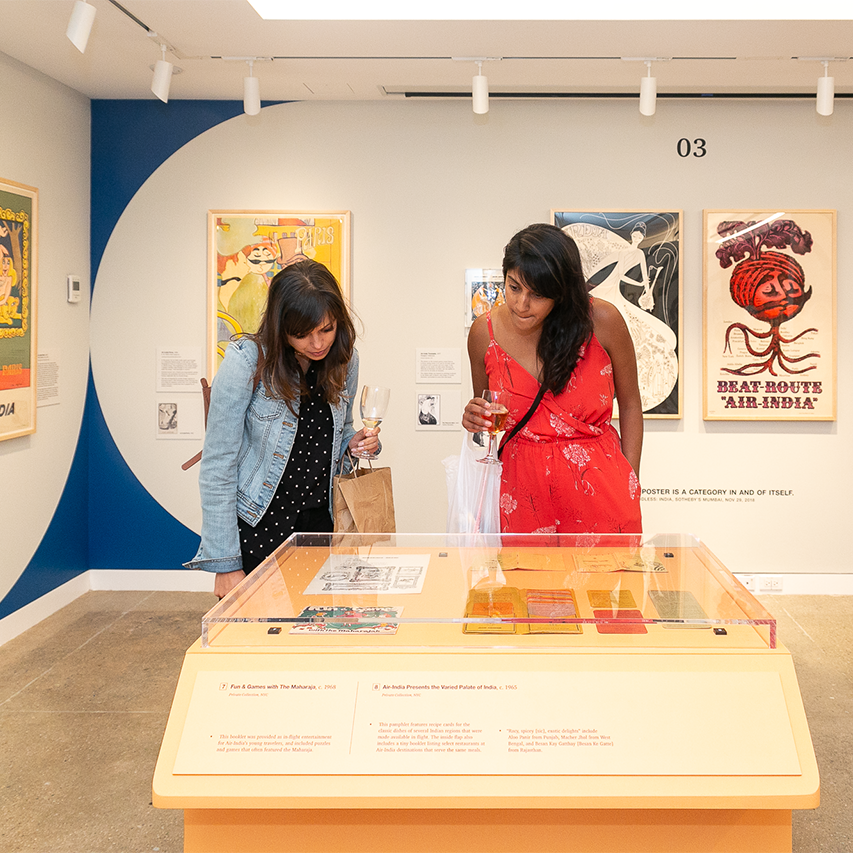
column 771, row 287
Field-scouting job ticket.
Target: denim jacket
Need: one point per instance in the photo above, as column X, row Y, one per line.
column 246, row 447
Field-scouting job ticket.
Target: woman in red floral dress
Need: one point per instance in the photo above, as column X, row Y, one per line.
column 567, row 470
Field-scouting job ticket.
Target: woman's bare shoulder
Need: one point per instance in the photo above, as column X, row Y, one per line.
column 607, row 321
column 478, row 335
column 603, row 311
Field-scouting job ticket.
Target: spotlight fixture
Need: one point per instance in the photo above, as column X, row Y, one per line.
column 480, row 90
column 648, row 84
column 480, row 83
column 162, row 77
column 648, row 91
column 80, row 24
column 825, row 84
column 825, row 91
column 251, row 91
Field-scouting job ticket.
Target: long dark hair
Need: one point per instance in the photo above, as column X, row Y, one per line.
column 547, row 261
column 302, row 297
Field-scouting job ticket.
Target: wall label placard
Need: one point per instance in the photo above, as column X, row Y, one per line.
column 711, row 494
column 507, row 723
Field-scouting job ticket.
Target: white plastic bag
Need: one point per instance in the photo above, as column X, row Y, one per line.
column 473, row 492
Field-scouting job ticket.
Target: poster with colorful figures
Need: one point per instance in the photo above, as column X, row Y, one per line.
column 247, row 249
column 18, row 208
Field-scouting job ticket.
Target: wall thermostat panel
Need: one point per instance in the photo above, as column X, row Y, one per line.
column 73, row 282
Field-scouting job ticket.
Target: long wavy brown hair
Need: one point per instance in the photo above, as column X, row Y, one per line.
column 547, row 261
column 302, row 297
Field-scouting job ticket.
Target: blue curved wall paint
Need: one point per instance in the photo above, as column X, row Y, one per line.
column 62, row 553
column 105, row 518
column 130, row 140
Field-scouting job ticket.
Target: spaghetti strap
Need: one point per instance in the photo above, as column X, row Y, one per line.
column 491, row 333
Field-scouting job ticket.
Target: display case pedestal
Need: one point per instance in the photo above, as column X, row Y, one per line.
column 355, row 812
column 644, row 730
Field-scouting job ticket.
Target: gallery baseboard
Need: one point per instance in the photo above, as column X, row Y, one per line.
column 165, row 580
column 181, row 580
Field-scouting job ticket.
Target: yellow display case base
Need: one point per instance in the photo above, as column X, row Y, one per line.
column 349, row 812
column 487, row 831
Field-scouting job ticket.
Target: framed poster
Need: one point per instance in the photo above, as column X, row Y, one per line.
column 484, row 288
column 769, row 315
column 247, row 248
column 18, row 389
column 632, row 259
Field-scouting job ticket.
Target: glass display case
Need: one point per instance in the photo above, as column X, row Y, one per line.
column 516, row 591
column 356, row 690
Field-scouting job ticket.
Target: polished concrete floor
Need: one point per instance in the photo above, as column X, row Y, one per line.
column 84, row 698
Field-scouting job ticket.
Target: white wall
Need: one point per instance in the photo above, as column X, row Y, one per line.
column 46, row 145
column 434, row 190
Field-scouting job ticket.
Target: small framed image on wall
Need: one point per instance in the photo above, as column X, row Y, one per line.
column 769, row 315
column 247, row 248
column 632, row 259
column 484, row 289
column 18, row 361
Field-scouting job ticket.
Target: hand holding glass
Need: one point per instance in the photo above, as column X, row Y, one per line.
column 374, row 404
column 498, row 411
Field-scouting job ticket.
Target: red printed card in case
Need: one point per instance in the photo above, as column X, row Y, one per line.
column 618, row 626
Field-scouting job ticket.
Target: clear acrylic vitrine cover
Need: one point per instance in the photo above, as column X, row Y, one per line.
column 530, row 591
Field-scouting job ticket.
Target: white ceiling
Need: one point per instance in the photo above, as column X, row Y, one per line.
column 316, row 60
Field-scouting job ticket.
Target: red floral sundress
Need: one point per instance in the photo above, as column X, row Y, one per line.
column 564, row 471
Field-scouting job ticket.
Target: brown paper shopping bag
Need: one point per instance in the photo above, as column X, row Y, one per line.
column 363, row 501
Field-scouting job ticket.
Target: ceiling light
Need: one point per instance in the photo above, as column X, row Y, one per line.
column 648, row 91
column 162, row 77
column 825, row 91
column 480, row 90
column 80, row 24
column 251, row 92
column 480, row 83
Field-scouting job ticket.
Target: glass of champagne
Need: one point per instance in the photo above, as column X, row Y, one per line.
column 374, row 403
column 498, row 401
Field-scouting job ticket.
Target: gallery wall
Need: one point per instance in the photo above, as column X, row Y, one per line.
column 434, row 190
column 46, row 145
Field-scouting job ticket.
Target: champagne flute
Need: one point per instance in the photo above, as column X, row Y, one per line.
column 499, row 412
column 374, row 403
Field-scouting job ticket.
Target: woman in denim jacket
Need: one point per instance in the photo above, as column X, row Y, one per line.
column 280, row 420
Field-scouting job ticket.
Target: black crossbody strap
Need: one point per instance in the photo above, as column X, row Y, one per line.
column 537, row 399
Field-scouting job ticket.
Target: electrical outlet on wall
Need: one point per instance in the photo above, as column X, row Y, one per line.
column 771, row 583
column 748, row 581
